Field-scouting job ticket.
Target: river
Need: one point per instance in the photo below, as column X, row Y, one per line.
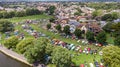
column 6, row 61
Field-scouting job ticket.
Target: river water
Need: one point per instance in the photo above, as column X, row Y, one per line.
column 6, row 61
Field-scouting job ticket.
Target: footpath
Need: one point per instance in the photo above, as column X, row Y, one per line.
column 14, row 55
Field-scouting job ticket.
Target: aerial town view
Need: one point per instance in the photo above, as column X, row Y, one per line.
column 59, row 33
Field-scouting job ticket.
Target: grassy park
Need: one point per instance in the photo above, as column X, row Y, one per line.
column 33, row 17
column 76, row 59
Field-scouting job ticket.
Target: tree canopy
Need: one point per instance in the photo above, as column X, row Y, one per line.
column 111, row 56
column 11, row 42
column 101, row 37
column 78, row 33
column 48, row 25
column 37, row 52
column 6, row 26
column 117, row 41
column 90, row 36
column 51, row 10
column 58, row 27
column 61, row 57
column 66, row 30
column 23, row 45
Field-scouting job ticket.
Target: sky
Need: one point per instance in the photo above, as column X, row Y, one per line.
column 60, row 0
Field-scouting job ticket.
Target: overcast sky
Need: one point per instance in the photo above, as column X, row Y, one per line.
column 59, row 0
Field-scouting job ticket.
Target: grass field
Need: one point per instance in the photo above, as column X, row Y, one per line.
column 33, row 17
column 81, row 58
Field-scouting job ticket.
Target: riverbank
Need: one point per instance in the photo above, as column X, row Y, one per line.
column 14, row 55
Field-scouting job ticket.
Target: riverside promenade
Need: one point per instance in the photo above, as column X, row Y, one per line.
column 14, row 55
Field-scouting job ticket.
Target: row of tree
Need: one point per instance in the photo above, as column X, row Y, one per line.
column 6, row 26
column 90, row 36
column 101, row 37
column 98, row 15
column 27, row 12
column 38, row 50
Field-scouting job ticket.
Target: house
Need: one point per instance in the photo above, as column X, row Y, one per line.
column 93, row 27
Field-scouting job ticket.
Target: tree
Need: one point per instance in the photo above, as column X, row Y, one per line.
column 24, row 45
column 6, row 14
column 6, row 26
column 12, row 14
column 90, row 36
column 11, row 42
column 78, row 33
column 33, row 12
column 107, row 17
column 116, row 26
column 66, row 30
column 111, row 56
column 49, row 49
column 115, row 15
column 48, row 26
column 20, row 14
column 116, row 29
column 117, row 41
column 37, row 52
column 58, row 27
column 108, row 27
column 61, row 57
column 1, row 15
column 101, row 37
column 97, row 13
column 52, row 20
column 77, row 13
column 51, row 10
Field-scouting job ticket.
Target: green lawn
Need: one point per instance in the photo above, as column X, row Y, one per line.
column 33, row 17
column 81, row 58
column 53, row 35
column 110, row 39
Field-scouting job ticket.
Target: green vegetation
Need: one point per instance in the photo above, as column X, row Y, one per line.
column 48, row 26
column 51, row 10
column 37, row 52
column 117, row 41
column 5, row 14
column 49, row 49
column 110, row 17
column 61, row 57
column 11, row 42
column 78, row 33
column 33, row 17
column 101, row 37
column 111, row 56
column 23, row 45
column 6, row 26
column 58, row 27
column 66, row 30
column 97, row 13
column 90, row 36
column 81, row 58
column 103, row 5
column 53, row 35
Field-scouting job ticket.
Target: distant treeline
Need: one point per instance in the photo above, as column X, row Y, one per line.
column 27, row 12
column 106, row 6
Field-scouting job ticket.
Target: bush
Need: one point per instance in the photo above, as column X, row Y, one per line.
column 6, row 26
column 11, row 42
column 24, row 45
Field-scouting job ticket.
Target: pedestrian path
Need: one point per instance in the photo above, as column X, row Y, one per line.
column 13, row 55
